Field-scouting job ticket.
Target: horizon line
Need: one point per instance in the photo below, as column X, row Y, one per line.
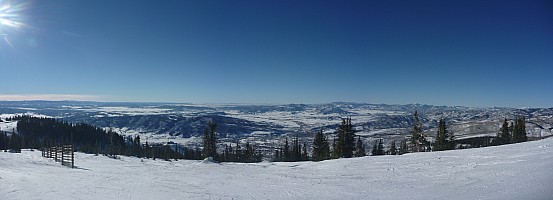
column 98, row 99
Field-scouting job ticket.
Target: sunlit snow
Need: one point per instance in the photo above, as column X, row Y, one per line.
column 518, row 171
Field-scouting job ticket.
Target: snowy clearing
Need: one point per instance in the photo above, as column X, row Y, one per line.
column 518, row 171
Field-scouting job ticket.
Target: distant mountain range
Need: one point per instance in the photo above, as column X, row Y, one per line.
column 239, row 121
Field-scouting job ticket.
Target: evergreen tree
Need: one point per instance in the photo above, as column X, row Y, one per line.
column 514, row 132
column 15, row 143
column 320, row 147
column 359, row 148
column 3, row 139
column 296, row 150
column 137, row 146
column 345, row 145
column 519, row 131
column 276, row 157
column 210, row 140
column 418, row 139
column 522, row 130
column 111, row 146
column 247, row 155
column 441, row 143
column 374, row 149
column 380, row 149
column 504, row 135
column 48, row 132
column 286, row 151
column 403, row 148
column 450, row 145
column 229, row 154
column 304, row 154
column 393, row 149
column 335, row 151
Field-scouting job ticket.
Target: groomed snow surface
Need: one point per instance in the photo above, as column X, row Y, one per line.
column 518, row 171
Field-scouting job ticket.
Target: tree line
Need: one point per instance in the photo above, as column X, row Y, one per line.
column 343, row 146
column 38, row 132
column 247, row 154
column 513, row 132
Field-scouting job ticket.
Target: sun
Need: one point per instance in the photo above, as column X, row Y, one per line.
column 9, row 15
column 11, row 19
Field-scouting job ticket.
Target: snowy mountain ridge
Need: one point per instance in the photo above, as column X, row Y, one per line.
column 183, row 122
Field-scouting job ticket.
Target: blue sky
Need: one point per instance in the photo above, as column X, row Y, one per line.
column 470, row 53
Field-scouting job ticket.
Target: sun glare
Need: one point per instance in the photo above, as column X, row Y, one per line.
column 11, row 19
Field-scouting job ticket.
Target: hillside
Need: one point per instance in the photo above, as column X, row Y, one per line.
column 516, row 171
column 266, row 124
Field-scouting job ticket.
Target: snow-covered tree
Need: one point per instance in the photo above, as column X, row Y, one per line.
column 418, row 140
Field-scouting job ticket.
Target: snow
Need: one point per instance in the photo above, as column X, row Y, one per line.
column 3, row 116
column 517, row 171
column 151, row 137
column 114, row 111
column 8, row 126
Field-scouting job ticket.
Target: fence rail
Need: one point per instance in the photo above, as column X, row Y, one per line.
column 63, row 154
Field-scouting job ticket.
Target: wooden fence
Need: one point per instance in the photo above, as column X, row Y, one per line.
column 63, row 154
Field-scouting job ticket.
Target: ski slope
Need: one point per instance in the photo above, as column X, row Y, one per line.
column 518, row 171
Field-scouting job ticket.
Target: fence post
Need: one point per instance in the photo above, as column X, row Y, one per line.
column 62, row 157
column 63, row 154
column 55, row 154
column 72, row 158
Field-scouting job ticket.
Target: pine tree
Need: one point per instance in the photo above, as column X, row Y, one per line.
column 514, row 131
column 359, row 148
column 137, row 146
column 286, row 151
column 2, row 141
column 374, row 149
column 345, row 145
column 296, row 150
column 320, row 147
column 418, row 139
column 335, row 151
column 504, row 135
column 393, row 149
column 441, row 142
column 276, row 157
column 403, row 148
column 210, row 140
column 519, row 131
column 15, row 143
column 7, row 142
column 304, row 154
column 380, row 149
column 248, row 153
column 522, row 130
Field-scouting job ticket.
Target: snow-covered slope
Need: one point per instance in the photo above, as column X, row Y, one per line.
column 518, row 171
